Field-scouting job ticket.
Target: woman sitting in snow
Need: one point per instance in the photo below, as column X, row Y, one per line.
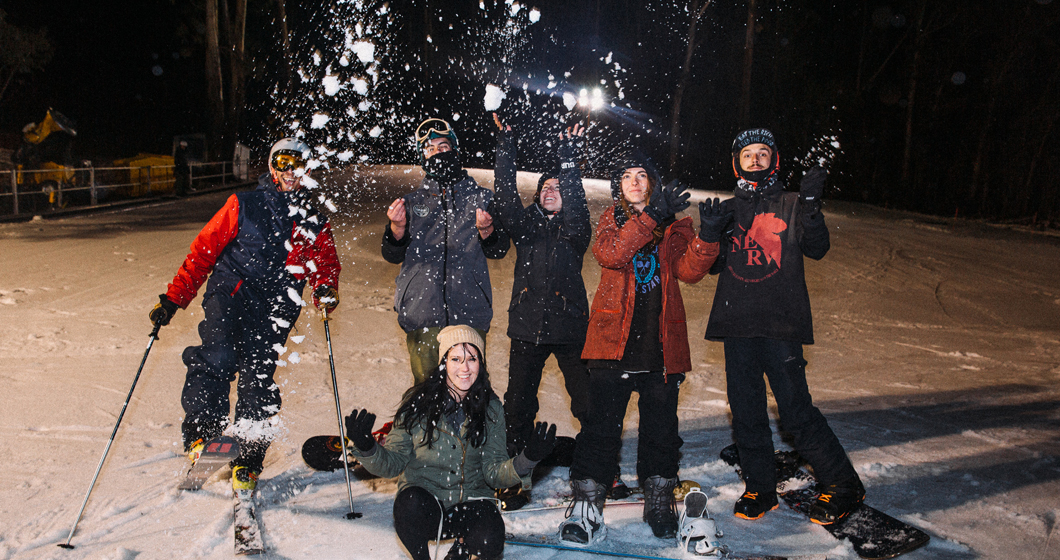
column 448, row 446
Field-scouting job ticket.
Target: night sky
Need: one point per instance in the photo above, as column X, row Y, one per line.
column 891, row 80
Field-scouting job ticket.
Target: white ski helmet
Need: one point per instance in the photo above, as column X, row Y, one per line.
column 290, row 145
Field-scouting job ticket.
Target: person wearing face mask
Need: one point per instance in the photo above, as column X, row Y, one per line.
column 761, row 314
column 549, row 313
column 261, row 247
column 637, row 341
column 447, row 449
column 441, row 234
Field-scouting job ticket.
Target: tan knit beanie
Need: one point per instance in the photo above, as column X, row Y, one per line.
column 456, row 334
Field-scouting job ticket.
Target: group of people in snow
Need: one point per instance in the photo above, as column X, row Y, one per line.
column 455, row 448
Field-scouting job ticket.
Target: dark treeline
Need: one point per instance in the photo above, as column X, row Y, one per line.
column 947, row 107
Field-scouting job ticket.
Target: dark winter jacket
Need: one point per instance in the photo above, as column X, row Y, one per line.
column 684, row 257
column 444, row 279
column 264, row 240
column 762, row 287
column 549, row 305
column 451, row 469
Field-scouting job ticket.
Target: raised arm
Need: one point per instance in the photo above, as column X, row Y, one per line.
column 576, row 226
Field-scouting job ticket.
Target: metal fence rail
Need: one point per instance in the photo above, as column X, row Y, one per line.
column 48, row 190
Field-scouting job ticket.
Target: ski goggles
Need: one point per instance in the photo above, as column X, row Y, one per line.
column 286, row 161
column 437, row 127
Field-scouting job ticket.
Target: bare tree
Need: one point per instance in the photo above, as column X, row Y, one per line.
column 748, row 63
column 696, row 9
column 214, row 80
column 21, row 52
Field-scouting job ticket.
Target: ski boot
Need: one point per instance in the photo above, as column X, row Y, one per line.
column 194, row 451
column 699, row 533
column 585, row 515
column 836, row 501
column 244, row 478
column 660, row 506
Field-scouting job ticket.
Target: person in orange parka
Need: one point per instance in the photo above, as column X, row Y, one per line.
column 259, row 251
column 637, row 341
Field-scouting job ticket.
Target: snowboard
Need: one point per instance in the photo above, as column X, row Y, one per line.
column 642, row 551
column 874, row 534
column 626, row 496
column 324, row 453
column 217, row 453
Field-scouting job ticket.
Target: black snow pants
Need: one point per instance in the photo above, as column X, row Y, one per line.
column 477, row 522
column 600, row 440
column 746, row 359
column 238, row 335
column 525, row 364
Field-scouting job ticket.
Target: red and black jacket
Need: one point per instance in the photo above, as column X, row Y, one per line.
column 263, row 240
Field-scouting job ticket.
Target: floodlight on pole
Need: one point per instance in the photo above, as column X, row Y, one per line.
column 597, row 100
column 583, row 98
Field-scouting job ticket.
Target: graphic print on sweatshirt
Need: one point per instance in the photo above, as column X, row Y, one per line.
column 646, row 270
column 755, row 253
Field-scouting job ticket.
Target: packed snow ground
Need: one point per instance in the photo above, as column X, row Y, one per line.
column 937, row 362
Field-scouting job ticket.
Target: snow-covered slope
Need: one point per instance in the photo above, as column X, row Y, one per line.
column 937, row 361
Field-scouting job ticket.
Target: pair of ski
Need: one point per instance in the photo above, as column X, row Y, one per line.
column 217, row 454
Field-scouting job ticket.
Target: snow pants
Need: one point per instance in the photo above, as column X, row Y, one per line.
column 600, row 440
column 525, row 363
column 478, row 523
column 238, row 335
column 746, row 359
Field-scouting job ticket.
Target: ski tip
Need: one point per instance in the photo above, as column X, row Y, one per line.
column 354, row 515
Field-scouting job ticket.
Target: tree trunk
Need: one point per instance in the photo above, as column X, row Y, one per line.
column 907, row 151
column 686, row 71
column 236, row 73
column 748, row 62
column 288, row 61
column 215, row 103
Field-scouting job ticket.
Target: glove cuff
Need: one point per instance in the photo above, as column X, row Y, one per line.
column 654, row 213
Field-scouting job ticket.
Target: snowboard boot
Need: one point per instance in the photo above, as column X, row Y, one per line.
column 836, row 501
column 513, row 498
column 458, row 552
column 244, row 478
column 619, row 490
column 660, row 506
column 585, row 515
column 699, row 533
column 753, row 505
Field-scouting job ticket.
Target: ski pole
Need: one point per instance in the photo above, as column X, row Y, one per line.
column 338, row 413
column 150, row 342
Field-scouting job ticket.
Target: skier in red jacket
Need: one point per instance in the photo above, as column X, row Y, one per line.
column 258, row 251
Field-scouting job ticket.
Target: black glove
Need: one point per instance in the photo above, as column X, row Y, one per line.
column 163, row 311
column 811, row 190
column 541, row 442
column 667, row 201
column 571, row 152
column 714, row 217
column 326, row 297
column 359, row 429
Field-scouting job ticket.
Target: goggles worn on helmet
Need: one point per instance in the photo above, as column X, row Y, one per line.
column 285, row 161
column 437, row 127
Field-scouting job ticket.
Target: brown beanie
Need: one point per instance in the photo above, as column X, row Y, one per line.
column 456, row 334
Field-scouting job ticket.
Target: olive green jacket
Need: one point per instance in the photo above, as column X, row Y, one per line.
column 451, row 469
